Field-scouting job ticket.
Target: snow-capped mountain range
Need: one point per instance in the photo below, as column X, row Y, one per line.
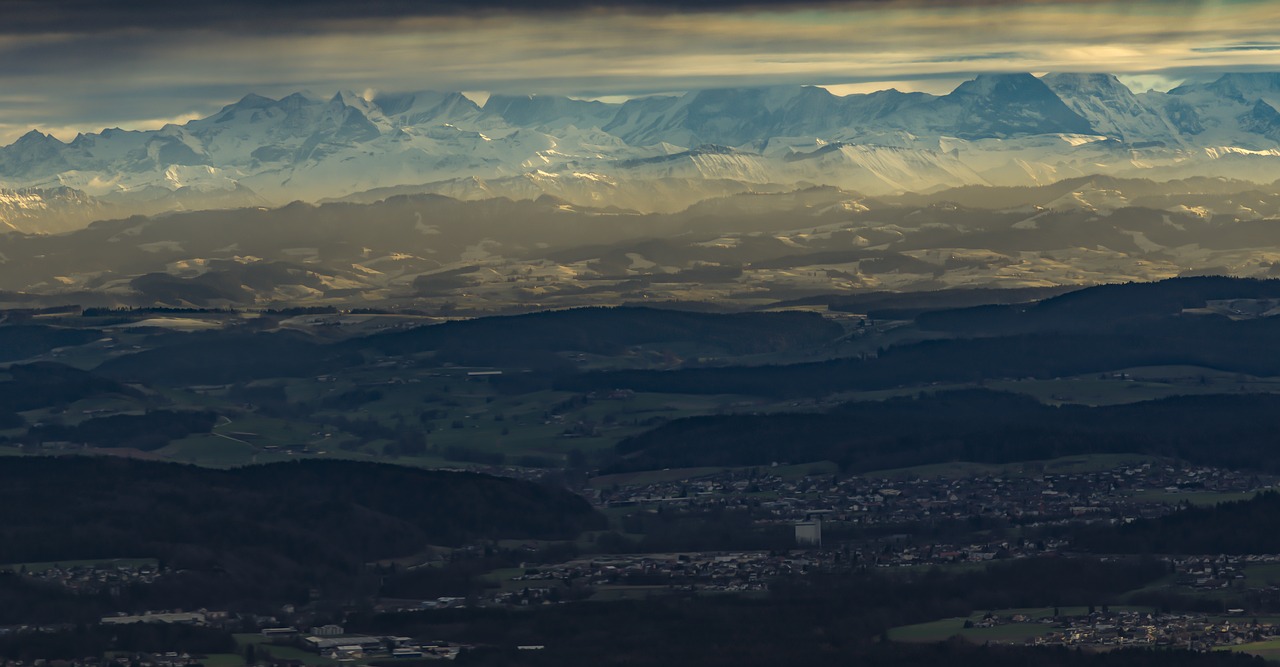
column 657, row 153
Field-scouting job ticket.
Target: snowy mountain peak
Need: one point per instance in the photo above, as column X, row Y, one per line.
column 1111, row 108
column 1008, row 129
column 251, row 101
column 1096, row 84
column 1015, row 86
column 549, row 110
column 348, row 98
column 398, row 103
column 37, row 138
column 1262, row 118
column 1245, row 86
column 295, row 101
column 1005, row 105
column 427, row 107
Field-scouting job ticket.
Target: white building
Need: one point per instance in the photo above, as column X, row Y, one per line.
column 809, row 531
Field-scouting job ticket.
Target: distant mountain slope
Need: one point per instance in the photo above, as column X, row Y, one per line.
column 747, row 249
column 645, row 153
column 50, row 210
column 1092, row 330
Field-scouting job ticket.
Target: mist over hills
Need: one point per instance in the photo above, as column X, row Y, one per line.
column 661, row 153
column 746, row 250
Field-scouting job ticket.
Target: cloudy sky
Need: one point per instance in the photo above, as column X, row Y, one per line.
column 81, row 65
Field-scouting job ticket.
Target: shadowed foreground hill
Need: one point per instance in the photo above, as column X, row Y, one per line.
column 218, row 357
column 1240, row 527
column 1100, row 309
column 264, row 529
column 1097, row 345
column 610, row 330
column 971, row 425
column 532, row 340
column 22, row 341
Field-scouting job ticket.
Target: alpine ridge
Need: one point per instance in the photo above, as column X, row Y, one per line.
column 997, row 129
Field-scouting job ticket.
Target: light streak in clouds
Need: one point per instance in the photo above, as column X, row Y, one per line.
column 131, row 76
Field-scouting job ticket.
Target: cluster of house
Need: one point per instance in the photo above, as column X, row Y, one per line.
column 900, row 551
column 94, row 578
column 721, row 571
column 1143, row 490
column 142, row 659
column 176, row 616
column 1196, row 632
column 332, row 642
column 717, row 571
column 1222, row 571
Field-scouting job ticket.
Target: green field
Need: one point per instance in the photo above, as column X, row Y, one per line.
column 210, row 450
column 1269, row 649
column 223, row 660
column 1143, row 384
column 458, row 412
column 1261, row 574
column 936, row 631
column 259, row 430
column 1193, row 497
column 615, row 593
column 503, row 578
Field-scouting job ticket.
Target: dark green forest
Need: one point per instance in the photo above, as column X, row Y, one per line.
column 44, row 384
column 1241, row 527
column 28, row 340
column 146, row 432
column 265, row 532
column 970, row 425
column 611, row 330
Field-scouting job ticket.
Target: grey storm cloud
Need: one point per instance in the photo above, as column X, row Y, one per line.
column 80, row 65
column 1239, row 47
column 85, row 16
